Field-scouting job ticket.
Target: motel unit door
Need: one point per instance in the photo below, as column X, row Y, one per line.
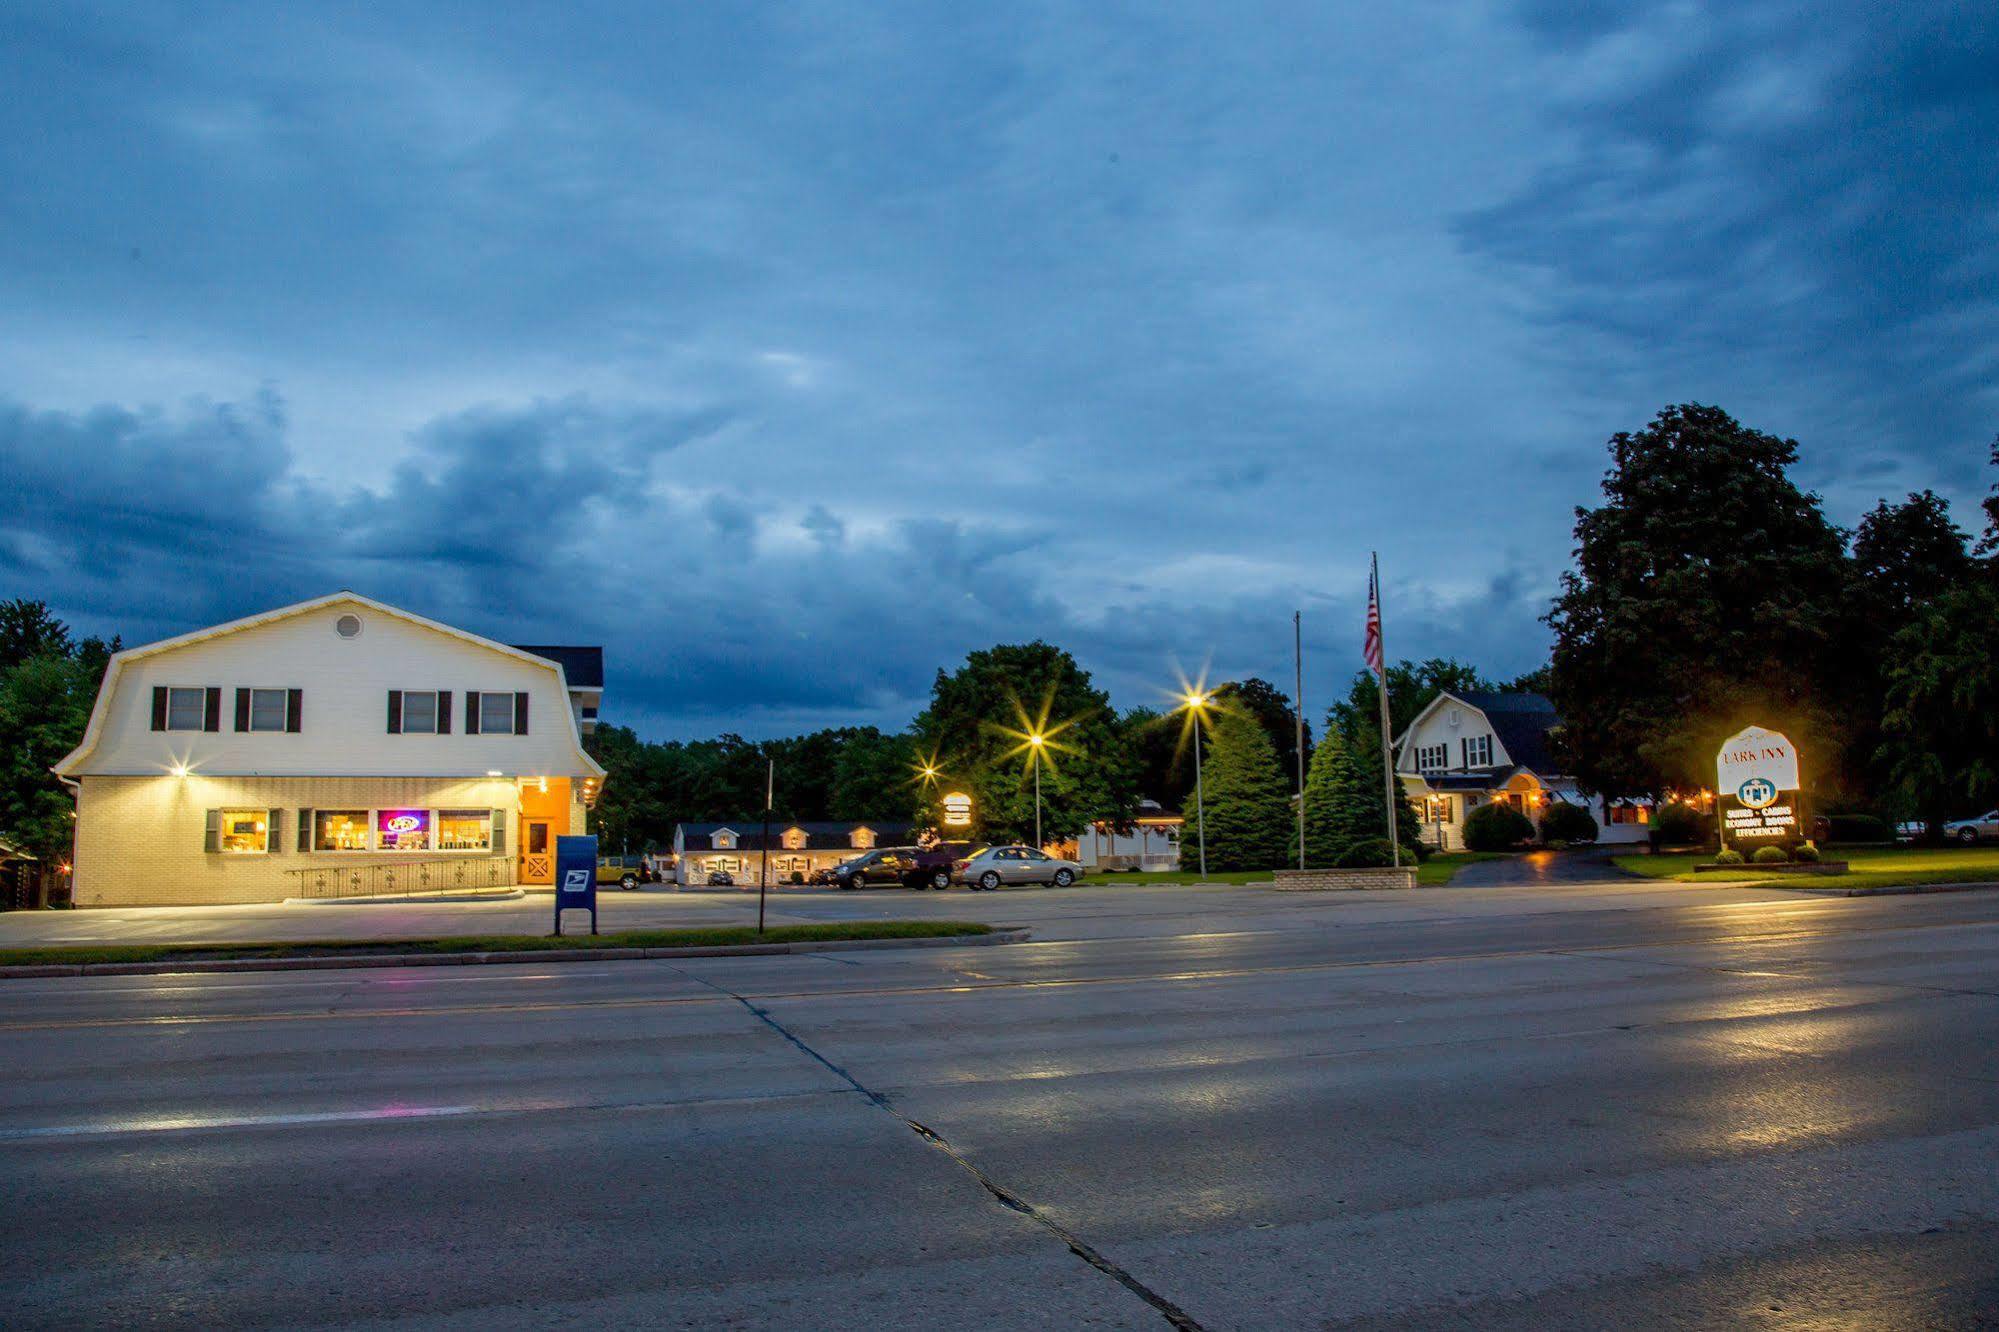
column 537, row 851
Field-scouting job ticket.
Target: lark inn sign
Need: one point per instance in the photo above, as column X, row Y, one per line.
column 1756, row 775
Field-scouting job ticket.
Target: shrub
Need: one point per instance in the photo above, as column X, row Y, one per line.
column 798, row 876
column 1564, row 822
column 1496, row 827
column 1806, row 853
column 1857, row 828
column 1680, row 825
column 1728, row 857
column 1367, row 853
column 1770, row 855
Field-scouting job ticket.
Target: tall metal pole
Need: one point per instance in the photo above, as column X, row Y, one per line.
column 1387, row 744
column 1298, row 658
column 763, row 874
column 1200, row 812
column 1037, row 797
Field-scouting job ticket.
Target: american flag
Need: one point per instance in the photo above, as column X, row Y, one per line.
column 1370, row 647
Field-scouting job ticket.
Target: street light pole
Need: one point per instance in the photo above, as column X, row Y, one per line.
column 1034, row 743
column 1200, row 811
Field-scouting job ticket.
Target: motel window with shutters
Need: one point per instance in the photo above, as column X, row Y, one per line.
column 243, row 832
column 1432, row 758
column 419, row 712
column 499, row 714
column 1477, row 751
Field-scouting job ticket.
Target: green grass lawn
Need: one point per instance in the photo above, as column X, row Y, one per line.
column 1869, row 868
column 1438, row 869
column 492, row 943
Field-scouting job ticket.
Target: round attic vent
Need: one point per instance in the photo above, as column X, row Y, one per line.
column 348, row 626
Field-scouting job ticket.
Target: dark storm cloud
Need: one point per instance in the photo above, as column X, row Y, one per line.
column 793, row 353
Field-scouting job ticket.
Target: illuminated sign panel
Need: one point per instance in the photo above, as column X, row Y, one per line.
column 1756, row 779
column 957, row 810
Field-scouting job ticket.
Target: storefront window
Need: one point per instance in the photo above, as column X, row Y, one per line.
column 464, row 829
column 340, row 830
column 402, row 829
column 245, row 831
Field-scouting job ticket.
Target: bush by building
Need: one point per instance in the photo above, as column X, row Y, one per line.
column 1680, row 825
column 1563, row 822
column 1770, row 855
column 1496, row 827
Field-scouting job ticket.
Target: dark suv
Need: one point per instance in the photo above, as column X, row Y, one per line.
column 883, row 865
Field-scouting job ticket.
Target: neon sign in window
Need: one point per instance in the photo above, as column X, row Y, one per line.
column 402, row 829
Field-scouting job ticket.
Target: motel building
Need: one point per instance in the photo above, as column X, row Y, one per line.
column 338, row 747
column 798, row 851
column 1472, row 749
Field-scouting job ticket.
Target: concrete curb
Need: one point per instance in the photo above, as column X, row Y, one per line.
column 27, row 971
column 1834, row 890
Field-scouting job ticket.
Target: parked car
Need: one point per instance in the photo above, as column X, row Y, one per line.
column 1911, row 830
column 884, row 864
column 935, row 864
column 1983, row 828
column 721, row 879
column 628, row 872
column 988, row 869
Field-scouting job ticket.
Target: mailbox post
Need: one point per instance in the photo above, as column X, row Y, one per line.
column 576, row 878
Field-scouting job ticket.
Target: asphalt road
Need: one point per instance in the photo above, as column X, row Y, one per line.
column 1578, row 1108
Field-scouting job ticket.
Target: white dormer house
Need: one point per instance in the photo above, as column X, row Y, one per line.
column 324, row 749
column 1467, row 750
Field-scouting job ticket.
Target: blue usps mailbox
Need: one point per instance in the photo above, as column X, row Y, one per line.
column 576, row 878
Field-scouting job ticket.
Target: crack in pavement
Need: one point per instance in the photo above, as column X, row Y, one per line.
column 1006, row 1197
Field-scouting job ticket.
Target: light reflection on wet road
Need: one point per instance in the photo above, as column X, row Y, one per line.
column 1247, row 1111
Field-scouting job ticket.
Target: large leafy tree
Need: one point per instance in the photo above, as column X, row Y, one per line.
column 1706, row 595
column 1245, row 808
column 44, row 703
column 1941, row 743
column 975, row 732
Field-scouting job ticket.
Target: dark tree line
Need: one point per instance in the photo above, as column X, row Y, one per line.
column 1710, row 591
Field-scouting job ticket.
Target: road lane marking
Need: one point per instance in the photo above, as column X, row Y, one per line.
column 180, row 1123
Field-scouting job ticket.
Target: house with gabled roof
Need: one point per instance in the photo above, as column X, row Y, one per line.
column 1469, row 749
column 325, row 748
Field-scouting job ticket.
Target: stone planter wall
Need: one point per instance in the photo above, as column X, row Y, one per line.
column 1788, row 867
column 1339, row 880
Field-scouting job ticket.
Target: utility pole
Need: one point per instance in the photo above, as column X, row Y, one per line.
column 763, row 873
column 1298, row 659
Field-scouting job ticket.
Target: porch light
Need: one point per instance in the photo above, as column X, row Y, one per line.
column 492, row 772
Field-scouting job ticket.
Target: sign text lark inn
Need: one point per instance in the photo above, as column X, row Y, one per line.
column 1756, row 775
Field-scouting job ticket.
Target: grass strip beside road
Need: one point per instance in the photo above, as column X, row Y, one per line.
column 1434, row 872
column 491, row 943
column 1882, row 868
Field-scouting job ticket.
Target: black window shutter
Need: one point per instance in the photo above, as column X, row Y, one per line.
column 520, row 714
column 211, row 713
column 395, row 712
column 211, row 837
column 305, row 830
column 274, row 819
column 242, row 709
column 444, row 712
column 471, row 712
column 294, row 706
column 159, row 707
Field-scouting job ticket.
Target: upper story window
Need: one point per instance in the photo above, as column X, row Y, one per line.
column 1478, row 751
column 1432, row 758
column 863, row 837
column 176, row 708
column 268, row 709
column 420, row 712
column 794, row 839
column 490, row 713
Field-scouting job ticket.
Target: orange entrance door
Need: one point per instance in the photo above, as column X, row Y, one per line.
column 537, row 852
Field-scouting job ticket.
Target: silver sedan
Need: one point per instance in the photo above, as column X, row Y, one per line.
column 995, row 865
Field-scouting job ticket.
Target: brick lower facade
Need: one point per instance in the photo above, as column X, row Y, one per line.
column 140, row 841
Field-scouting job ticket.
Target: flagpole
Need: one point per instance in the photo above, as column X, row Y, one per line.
column 1298, row 660
column 763, row 873
column 1387, row 744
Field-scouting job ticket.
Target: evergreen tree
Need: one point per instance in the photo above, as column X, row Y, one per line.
column 1247, row 808
column 1359, row 815
column 1326, row 821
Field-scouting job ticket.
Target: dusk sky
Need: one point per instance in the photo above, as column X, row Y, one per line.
column 793, row 351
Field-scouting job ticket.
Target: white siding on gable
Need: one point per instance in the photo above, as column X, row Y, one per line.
column 1450, row 724
column 344, row 685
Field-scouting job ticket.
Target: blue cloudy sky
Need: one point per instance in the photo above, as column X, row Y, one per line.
column 794, row 350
